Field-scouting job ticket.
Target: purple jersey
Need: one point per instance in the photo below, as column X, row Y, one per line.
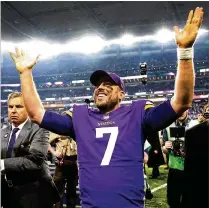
column 110, row 150
column 110, row 156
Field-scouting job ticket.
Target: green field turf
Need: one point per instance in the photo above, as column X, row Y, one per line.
column 159, row 199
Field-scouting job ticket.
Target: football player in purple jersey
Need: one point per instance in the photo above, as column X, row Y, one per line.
column 110, row 138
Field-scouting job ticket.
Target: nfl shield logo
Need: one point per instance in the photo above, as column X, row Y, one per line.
column 105, row 117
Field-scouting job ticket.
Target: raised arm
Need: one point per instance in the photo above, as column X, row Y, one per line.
column 60, row 124
column 185, row 78
column 161, row 116
column 31, row 98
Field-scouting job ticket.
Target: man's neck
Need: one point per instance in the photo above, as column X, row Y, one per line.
column 19, row 124
column 109, row 111
column 181, row 122
column 15, row 124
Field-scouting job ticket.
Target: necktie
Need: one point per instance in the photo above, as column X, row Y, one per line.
column 12, row 142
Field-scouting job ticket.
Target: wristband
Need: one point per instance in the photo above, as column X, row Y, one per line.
column 185, row 53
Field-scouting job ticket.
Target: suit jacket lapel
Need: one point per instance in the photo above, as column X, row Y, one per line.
column 5, row 140
column 23, row 133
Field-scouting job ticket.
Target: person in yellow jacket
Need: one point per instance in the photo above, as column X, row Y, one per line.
column 66, row 171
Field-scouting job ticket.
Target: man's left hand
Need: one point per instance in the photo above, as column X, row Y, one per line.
column 187, row 37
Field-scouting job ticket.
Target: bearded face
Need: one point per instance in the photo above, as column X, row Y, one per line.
column 107, row 96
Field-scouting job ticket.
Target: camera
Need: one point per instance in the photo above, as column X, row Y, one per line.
column 206, row 115
column 143, row 68
column 143, row 71
column 178, row 144
column 178, row 148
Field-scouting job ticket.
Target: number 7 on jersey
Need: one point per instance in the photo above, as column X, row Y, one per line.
column 113, row 131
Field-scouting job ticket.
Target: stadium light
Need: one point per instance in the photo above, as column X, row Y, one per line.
column 49, row 83
column 86, row 45
column 10, row 85
column 34, row 48
column 7, row 46
column 127, row 40
column 164, row 36
column 203, row 31
column 58, row 83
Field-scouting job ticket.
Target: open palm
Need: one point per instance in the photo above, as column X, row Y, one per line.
column 22, row 61
column 187, row 37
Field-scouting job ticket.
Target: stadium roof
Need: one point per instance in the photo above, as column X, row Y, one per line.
column 61, row 21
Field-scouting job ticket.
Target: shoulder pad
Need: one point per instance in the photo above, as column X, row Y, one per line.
column 148, row 105
column 69, row 113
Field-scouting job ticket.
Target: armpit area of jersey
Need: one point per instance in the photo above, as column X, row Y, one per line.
column 159, row 117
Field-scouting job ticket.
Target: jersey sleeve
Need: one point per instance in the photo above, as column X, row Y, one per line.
column 158, row 117
column 59, row 124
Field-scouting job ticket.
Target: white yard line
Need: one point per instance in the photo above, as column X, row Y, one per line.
column 159, row 187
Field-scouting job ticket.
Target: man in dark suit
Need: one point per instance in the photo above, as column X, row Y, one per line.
column 196, row 166
column 25, row 176
column 155, row 154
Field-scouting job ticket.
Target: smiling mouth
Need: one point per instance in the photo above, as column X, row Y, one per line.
column 101, row 95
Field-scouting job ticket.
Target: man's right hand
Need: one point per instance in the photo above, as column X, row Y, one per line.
column 22, row 61
column 168, row 145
